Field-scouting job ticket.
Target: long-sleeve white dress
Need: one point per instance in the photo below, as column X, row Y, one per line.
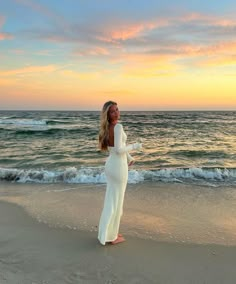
column 116, row 170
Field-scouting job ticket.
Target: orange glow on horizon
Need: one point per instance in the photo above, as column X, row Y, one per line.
column 67, row 89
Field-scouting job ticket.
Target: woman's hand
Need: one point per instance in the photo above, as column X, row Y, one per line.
column 131, row 163
column 137, row 146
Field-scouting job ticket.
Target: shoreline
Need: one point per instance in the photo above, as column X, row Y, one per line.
column 32, row 252
column 173, row 213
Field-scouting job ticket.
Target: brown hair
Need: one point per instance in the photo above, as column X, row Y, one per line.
column 104, row 126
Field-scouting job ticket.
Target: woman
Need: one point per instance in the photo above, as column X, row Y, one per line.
column 113, row 138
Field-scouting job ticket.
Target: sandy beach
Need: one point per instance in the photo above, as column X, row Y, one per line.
column 33, row 252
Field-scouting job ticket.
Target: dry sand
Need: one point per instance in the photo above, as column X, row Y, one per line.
column 33, row 253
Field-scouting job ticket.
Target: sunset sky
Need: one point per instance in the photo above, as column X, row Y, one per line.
column 146, row 55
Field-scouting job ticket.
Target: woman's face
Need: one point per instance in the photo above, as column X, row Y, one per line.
column 113, row 113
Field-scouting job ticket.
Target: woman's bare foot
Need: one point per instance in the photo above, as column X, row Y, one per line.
column 120, row 235
column 120, row 239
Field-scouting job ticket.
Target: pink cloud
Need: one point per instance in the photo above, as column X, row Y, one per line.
column 207, row 19
column 122, row 32
column 96, row 51
column 190, row 17
column 167, row 62
column 4, row 36
column 127, row 32
column 222, row 48
column 118, row 32
column 218, row 55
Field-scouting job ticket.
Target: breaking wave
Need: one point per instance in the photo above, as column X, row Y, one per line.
column 89, row 175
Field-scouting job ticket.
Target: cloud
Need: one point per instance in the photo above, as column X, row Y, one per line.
column 35, row 6
column 221, row 54
column 122, row 32
column 61, row 71
column 189, row 36
column 188, row 28
column 59, row 20
column 29, row 70
column 93, row 51
column 2, row 20
column 166, row 38
column 4, row 36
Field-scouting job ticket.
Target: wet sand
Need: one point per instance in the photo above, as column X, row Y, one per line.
column 156, row 211
column 32, row 252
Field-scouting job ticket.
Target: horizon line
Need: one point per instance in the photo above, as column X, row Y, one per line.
column 138, row 110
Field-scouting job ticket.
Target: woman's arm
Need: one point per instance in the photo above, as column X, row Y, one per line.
column 119, row 149
column 129, row 157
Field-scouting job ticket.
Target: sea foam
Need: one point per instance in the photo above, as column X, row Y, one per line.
column 23, row 122
column 96, row 175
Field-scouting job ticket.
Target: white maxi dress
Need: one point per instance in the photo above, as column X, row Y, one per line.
column 116, row 171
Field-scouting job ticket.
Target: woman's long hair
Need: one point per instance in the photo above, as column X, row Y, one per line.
column 104, row 126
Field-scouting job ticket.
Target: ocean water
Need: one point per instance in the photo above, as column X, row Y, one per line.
column 61, row 147
column 182, row 187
